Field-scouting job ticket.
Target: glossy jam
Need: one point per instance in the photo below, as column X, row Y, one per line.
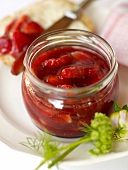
column 67, row 68
column 70, row 67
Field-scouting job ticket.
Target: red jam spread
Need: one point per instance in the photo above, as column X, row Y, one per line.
column 67, row 67
column 18, row 35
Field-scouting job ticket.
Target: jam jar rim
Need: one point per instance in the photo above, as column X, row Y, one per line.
column 93, row 88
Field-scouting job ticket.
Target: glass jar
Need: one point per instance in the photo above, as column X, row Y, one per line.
column 61, row 111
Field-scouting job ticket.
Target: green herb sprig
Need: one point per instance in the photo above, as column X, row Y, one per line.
column 102, row 131
column 99, row 132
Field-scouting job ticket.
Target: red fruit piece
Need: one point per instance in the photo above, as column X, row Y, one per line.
column 21, row 41
column 9, row 27
column 54, row 80
column 18, row 66
column 54, row 63
column 84, row 57
column 74, row 72
column 31, row 27
column 5, row 45
column 94, row 70
column 66, row 86
column 18, row 23
column 62, row 118
column 54, row 53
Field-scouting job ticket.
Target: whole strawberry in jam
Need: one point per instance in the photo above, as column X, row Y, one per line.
column 18, row 35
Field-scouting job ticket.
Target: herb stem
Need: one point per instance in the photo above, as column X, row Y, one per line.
column 42, row 162
column 70, row 148
column 58, row 159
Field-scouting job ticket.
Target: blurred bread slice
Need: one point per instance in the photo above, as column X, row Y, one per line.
column 45, row 12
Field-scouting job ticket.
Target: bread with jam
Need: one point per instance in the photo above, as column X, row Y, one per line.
column 20, row 28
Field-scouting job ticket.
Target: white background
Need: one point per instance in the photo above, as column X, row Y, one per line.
column 11, row 159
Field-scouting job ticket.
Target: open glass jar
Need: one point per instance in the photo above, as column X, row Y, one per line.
column 59, row 102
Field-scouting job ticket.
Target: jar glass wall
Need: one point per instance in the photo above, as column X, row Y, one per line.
column 61, row 111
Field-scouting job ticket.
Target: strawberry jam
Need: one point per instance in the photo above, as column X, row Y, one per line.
column 70, row 67
column 18, row 35
column 65, row 82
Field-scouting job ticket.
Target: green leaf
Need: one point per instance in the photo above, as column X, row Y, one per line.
column 116, row 107
column 125, row 107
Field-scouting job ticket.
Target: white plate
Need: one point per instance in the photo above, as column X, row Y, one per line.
column 15, row 124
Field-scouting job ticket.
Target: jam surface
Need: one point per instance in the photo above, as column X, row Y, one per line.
column 67, row 67
column 70, row 67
